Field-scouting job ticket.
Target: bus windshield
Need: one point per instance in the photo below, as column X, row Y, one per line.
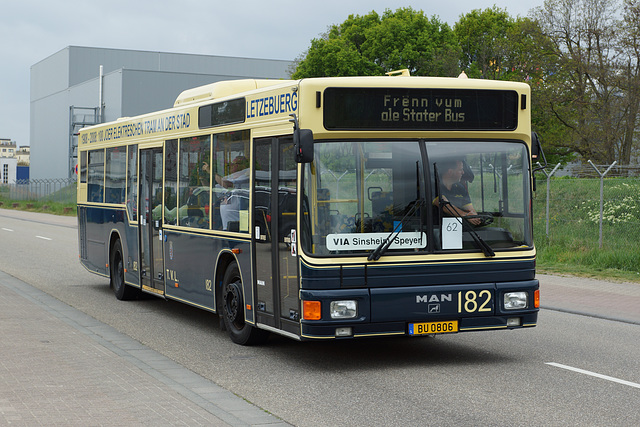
column 359, row 193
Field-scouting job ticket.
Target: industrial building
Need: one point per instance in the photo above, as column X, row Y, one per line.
column 80, row 86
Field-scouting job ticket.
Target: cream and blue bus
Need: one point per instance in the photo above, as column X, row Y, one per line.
column 321, row 208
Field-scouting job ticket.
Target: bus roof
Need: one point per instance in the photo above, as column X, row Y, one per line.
column 229, row 88
column 222, row 89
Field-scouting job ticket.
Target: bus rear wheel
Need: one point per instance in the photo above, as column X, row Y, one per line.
column 116, row 270
column 232, row 314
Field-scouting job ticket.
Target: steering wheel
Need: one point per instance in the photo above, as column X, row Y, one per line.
column 485, row 219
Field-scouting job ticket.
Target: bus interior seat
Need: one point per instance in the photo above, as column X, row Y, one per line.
column 382, row 210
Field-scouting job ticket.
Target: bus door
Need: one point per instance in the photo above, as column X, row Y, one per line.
column 152, row 264
column 274, row 228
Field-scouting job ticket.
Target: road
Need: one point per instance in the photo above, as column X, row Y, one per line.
column 569, row 370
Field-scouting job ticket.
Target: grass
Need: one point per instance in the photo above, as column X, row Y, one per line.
column 55, row 208
column 59, row 202
column 573, row 243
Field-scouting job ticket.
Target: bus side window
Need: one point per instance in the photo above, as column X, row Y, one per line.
column 83, row 167
column 170, row 181
column 195, row 173
column 230, row 183
column 95, row 181
column 115, row 175
column 132, row 179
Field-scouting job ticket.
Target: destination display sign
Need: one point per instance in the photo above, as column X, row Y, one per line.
column 420, row 109
column 370, row 241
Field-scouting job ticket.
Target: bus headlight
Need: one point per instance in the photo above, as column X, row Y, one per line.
column 515, row 300
column 343, row 309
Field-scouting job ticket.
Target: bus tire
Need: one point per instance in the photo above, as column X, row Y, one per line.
column 116, row 270
column 232, row 314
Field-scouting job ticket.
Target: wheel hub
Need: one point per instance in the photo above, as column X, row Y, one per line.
column 233, row 302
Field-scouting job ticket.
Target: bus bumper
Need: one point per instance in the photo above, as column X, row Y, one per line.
column 395, row 311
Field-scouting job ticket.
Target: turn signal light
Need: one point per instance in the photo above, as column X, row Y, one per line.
column 536, row 298
column 312, row 310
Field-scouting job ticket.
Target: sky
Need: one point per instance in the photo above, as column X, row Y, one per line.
column 32, row 30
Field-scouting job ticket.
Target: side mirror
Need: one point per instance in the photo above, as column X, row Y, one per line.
column 302, row 142
column 537, row 154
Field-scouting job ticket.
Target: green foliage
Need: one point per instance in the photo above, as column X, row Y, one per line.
column 334, row 57
column 374, row 44
column 482, row 35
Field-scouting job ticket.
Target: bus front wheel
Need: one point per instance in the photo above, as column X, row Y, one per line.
column 239, row 331
column 116, row 270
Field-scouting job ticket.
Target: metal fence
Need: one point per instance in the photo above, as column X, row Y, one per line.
column 62, row 190
column 586, row 206
column 580, row 206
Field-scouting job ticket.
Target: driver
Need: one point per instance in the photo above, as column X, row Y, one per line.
column 452, row 190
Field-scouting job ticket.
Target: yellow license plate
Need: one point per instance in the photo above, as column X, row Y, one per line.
column 433, row 327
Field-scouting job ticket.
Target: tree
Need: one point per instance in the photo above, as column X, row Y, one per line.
column 532, row 58
column 496, row 46
column 334, row 57
column 374, row 44
column 584, row 92
column 629, row 66
column 482, row 36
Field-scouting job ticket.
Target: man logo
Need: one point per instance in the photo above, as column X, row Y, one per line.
column 434, row 308
column 434, row 298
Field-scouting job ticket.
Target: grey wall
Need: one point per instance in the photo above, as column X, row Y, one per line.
column 147, row 91
column 50, row 136
column 135, row 82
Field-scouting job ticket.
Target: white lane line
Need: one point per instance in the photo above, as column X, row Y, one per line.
column 594, row 374
column 7, row 229
column 43, row 238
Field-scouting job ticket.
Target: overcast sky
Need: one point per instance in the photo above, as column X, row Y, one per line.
column 31, row 30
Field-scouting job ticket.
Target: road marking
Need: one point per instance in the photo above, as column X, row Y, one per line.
column 7, row 229
column 43, row 238
column 594, row 374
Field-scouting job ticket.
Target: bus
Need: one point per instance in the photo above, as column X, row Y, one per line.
column 321, row 208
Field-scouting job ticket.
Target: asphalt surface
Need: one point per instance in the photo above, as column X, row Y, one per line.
column 59, row 366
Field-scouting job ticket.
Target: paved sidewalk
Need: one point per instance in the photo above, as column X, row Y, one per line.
column 591, row 297
column 59, row 366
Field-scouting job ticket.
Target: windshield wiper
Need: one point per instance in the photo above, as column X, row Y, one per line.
column 384, row 245
column 484, row 246
column 466, row 224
